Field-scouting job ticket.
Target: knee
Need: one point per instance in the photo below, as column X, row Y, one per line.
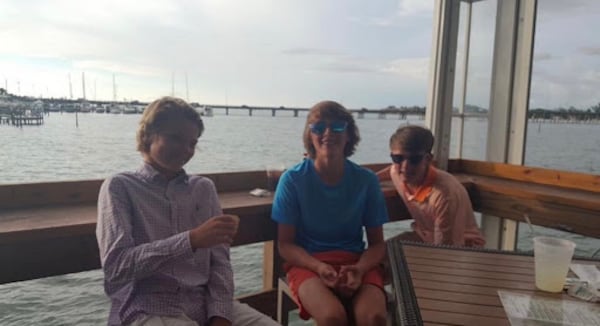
column 371, row 318
column 333, row 317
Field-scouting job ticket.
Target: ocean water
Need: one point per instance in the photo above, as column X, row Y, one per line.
column 94, row 146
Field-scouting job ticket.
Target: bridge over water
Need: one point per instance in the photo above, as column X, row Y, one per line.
column 359, row 113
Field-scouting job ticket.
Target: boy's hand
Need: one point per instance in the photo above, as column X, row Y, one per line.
column 217, row 230
column 350, row 280
column 395, row 175
column 328, row 275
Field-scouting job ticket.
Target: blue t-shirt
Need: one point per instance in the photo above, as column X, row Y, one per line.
column 329, row 217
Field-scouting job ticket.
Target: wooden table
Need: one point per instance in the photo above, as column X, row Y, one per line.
column 457, row 286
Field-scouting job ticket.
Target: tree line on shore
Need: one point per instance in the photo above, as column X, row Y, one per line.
column 572, row 113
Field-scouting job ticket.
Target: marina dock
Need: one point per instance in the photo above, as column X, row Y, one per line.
column 19, row 120
column 23, row 120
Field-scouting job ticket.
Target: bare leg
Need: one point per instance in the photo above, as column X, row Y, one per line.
column 370, row 306
column 324, row 306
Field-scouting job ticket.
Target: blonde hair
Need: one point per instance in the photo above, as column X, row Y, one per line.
column 330, row 110
column 158, row 113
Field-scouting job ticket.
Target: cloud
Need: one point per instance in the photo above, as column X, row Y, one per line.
column 119, row 67
column 376, row 21
column 405, row 9
column 231, row 52
column 561, row 7
column 415, row 7
column 543, row 56
column 593, row 51
column 347, row 67
column 406, row 68
column 310, row 51
column 565, row 83
column 412, row 68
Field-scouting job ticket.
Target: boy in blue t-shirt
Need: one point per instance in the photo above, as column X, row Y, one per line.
column 321, row 206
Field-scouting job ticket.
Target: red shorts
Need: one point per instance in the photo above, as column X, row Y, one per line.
column 297, row 275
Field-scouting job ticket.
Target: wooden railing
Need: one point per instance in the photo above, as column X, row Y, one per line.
column 48, row 229
column 561, row 200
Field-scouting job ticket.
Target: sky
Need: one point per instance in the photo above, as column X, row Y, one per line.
column 278, row 53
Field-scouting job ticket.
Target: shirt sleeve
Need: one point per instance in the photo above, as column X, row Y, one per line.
column 286, row 206
column 220, row 282
column 123, row 261
column 376, row 213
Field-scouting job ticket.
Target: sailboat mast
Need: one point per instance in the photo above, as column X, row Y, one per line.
column 70, row 87
column 83, row 84
column 114, row 89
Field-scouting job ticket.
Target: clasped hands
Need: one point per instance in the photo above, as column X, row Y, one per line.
column 216, row 230
column 345, row 281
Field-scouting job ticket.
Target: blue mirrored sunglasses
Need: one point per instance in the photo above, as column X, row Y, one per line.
column 319, row 127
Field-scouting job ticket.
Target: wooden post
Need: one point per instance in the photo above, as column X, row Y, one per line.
column 271, row 265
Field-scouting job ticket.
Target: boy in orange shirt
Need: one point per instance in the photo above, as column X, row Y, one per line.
column 438, row 203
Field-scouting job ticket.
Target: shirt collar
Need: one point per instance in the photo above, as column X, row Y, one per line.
column 425, row 189
column 148, row 172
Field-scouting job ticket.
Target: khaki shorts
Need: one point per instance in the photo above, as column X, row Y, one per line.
column 243, row 315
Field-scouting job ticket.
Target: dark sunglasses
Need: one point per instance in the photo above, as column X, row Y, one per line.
column 319, row 127
column 412, row 159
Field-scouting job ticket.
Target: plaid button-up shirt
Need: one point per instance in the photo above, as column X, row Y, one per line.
column 148, row 262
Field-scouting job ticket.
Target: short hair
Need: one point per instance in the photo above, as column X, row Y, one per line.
column 330, row 110
column 412, row 139
column 158, row 113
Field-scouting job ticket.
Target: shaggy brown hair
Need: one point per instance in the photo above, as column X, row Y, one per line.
column 330, row 110
column 158, row 113
column 412, row 139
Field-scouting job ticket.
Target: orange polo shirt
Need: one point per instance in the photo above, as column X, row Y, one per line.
column 442, row 211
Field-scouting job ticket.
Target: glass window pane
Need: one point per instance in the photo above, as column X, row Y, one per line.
column 564, row 129
column 564, row 126
column 477, row 99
